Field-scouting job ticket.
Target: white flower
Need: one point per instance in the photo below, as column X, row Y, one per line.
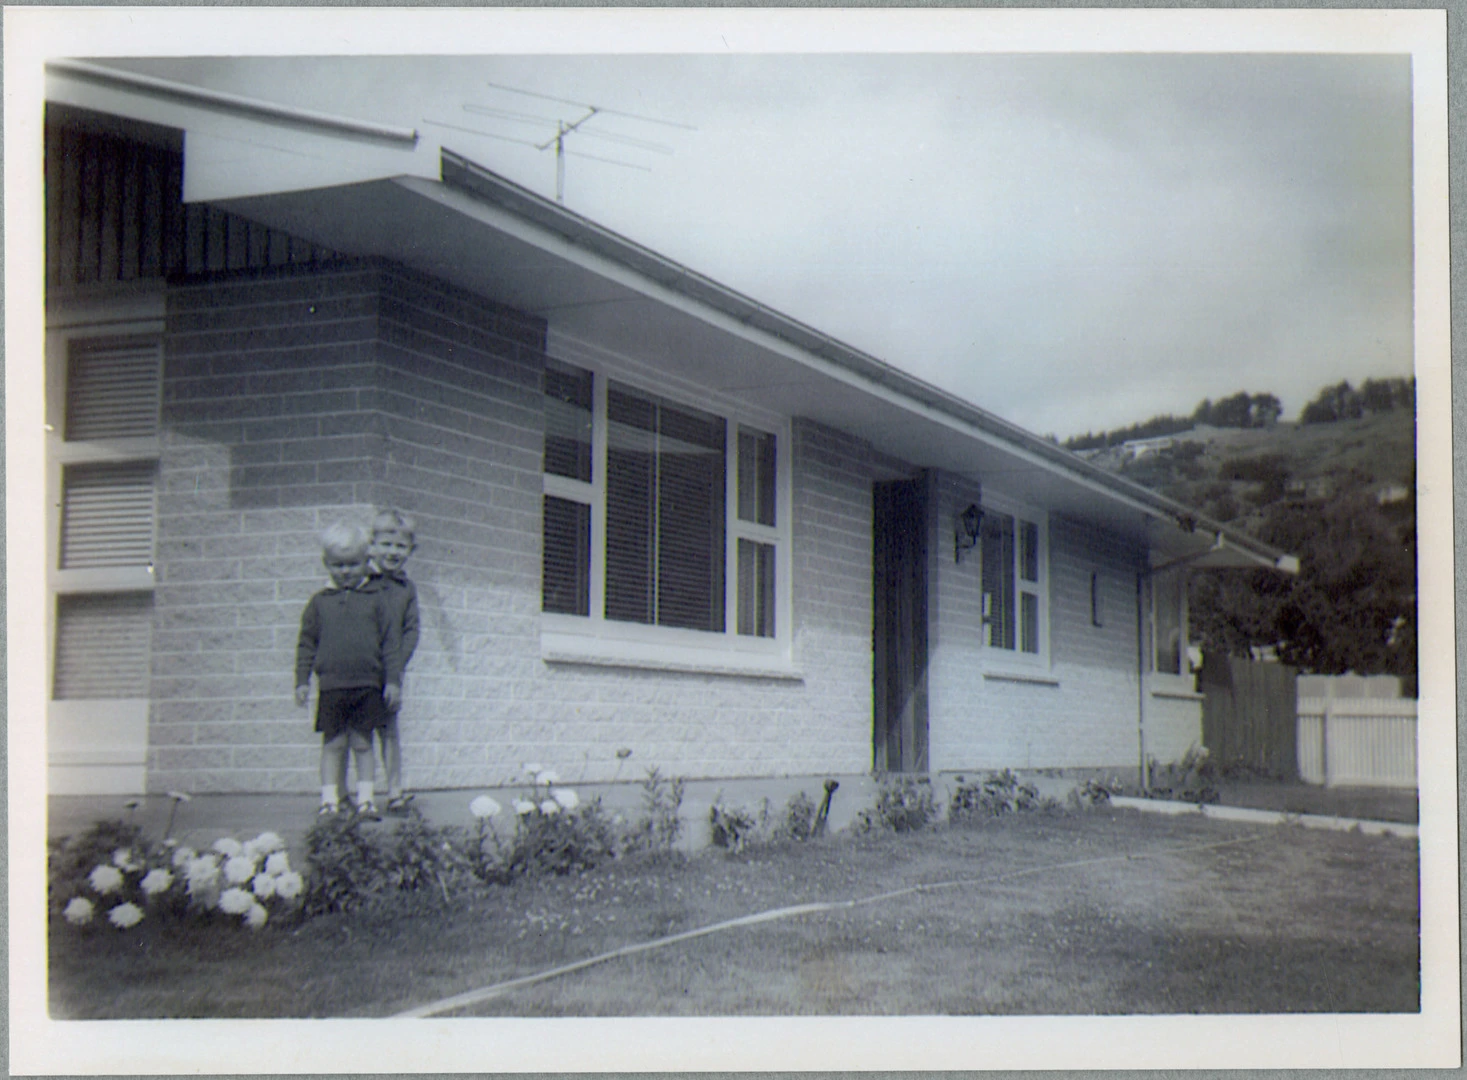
column 550, row 807
column 289, row 885
column 79, row 911
column 183, row 856
column 235, row 901
column 203, row 873
column 123, row 860
column 263, row 886
column 547, row 777
column 125, row 915
column 180, row 796
column 523, row 807
column 567, row 798
column 105, row 879
column 483, row 807
column 264, row 844
column 531, row 768
column 239, row 869
column 277, row 863
column 156, row 881
column 228, row 846
column 256, row 916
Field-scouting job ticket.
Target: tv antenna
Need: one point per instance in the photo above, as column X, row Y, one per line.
column 564, row 127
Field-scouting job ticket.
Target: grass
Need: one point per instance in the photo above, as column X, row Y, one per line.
column 1053, row 918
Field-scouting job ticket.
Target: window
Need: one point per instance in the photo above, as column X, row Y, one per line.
column 658, row 514
column 1014, row 586
column 1169, row 623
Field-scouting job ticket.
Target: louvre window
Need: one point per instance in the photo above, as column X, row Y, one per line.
column 567, row 421
column 102, row 645
column 756, row 589
column 1168, row 599
column 566, row 581
column 1014, row 584
column 107, row 515
column 112, row 388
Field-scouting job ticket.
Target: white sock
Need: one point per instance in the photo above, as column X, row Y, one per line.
column 364, row 791
column 329, row 796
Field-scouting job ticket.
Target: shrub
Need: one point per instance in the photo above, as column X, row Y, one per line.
column 1188, row 780
column 799, row 818
column 903, row 804
column 355, row 866
column 735, row 827
column 563, row 841
column 662, row 823
column 997, row 794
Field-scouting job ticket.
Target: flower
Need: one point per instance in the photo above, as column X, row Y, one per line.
column 123, row 860
column 228, row 845
column 125, row 915
column 263, row 886
column 105, row 879
column 549, row 807
column 277, row 863
column 483, row 807
column 523, row 807
column 531, row 768
column 239, row 869
column 203, row 873
column 256, row 916
column 547, row 777
column 235, row 901
column 289, row 885
column 156, row 881
column 183, row 856
column 79, row 911
column 567, row 798
column 180, row 796
column 264, row 844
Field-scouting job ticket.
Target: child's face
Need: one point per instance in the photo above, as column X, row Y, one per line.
column 347, row 568
column 390, row 550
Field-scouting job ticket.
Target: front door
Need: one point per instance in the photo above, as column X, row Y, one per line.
column 899, row 630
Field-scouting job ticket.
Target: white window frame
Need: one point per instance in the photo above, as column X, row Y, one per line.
column 595, row 639
column 997, row 657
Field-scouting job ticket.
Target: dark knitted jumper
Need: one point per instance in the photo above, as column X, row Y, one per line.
column 350, row 639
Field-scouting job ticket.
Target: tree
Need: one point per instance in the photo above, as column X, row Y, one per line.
column 1338, row 402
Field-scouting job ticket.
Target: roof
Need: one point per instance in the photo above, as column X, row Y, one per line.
column 371, row 190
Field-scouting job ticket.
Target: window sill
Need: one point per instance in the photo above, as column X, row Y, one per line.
column 1177, row 695
column 1173, row 687
column 1035, row 678
column 594, row 651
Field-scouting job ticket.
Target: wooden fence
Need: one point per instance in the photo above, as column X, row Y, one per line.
column 1363, row 741
column 1248, row 715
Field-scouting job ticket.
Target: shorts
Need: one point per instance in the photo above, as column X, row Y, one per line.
column 359, row 708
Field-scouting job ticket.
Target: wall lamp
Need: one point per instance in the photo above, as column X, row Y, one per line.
column 968, row 525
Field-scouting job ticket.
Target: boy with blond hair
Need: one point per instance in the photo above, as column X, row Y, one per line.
column 352, row 643
column 394, row 539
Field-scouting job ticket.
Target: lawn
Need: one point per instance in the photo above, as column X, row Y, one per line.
column 1106, row 911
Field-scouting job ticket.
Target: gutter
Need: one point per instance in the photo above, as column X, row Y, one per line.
column 464, row 175
column 235, row 103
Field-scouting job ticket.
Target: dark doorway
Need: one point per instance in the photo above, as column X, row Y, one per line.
column 899, row 631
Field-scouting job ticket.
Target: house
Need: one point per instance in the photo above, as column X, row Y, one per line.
column 654, row 514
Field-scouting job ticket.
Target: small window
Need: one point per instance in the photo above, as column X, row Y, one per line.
column 1169, row 622
column 112, row 387
column 756, row 476
column 102, row 645
column 566, row 582
column 567, row 421
column 107, row 515
column 756, row 589
column 1013, row 583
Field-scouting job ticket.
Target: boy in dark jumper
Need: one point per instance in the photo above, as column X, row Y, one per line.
column 353, row 644
column 393, row 540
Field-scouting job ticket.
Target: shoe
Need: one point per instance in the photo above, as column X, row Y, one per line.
column 328, row 809
column 398, row 804
column 368, row 811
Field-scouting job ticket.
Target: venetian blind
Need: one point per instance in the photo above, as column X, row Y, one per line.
column 102, row 645
column 107, row 515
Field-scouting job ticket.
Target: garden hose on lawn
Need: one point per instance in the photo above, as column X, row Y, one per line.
column 472, row 997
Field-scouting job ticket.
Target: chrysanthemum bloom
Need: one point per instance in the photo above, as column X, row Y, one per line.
column 79, row 911
column 263, row 886
column 203, row 873
column 256, row 916
column 105, row 879
column 277, row 863
column 123, row 860
column 531, row 768
column 264, row 844
column 156, row 881
column 547, row 777
column 125, row 915
column 183, row 856
column 228, row 846
column 483, row 807
column 239, row 869
column 289, row 885
column 567, row 798
column 180, row 796
column 523, row 807
column 550, row 807
column 235, row 901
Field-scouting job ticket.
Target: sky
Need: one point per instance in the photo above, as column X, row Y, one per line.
column 1074, row 242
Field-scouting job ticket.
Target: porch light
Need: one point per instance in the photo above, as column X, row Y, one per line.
column 969, row 522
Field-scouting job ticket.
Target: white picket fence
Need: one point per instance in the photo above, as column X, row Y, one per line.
column 1361, row 741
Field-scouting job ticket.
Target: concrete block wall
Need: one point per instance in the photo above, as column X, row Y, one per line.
column 294, row 399
column 988, row 711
